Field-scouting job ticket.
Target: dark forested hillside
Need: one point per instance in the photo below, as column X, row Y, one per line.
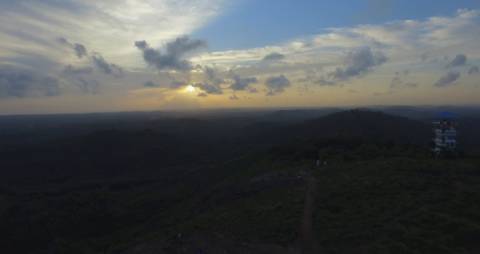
column 236, row 183
column 370, row 126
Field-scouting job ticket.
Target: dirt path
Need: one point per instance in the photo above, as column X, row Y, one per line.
column 308, row 240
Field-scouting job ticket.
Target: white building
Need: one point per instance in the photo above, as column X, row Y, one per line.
column 445, row 134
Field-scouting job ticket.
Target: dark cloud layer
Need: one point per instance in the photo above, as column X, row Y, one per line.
column 473, row 70
column 79, row 49
column 323, row 82
column 448, row 79
column 273, row 57
column 359, row 62
column 72, row 70
column 176, row 84
column 80, row 77
column 87, row 86
column 212, row 76
column 23, row 83
column 172, row 84
column 277, row 85
column 399, row 80
column 209, row 88
column 174, row 56
column 242, row 84
column 97, row 59
column 212, row 83
column 150, row 84
column 459, row 60
column 106, row 67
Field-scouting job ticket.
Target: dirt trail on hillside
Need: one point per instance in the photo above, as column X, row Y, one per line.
column 308, row 240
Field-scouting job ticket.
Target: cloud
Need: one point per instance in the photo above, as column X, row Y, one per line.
column 212, row 76
column 96, row 24
column 174, row 57
column 87, row 86
column 79, row 49
column 398, row 81
column 323, row 82
column 64, row 41
column 209, row 88
column 274, row 57
column 473, row 70
column 359, row 62
column 459, row 60
column 242, row 84
column 150, row 84
column 72, row 70
column 212, row 83
column 448, row 79
column 107, row 68
column 97, row 59
column 80, row 77
column 170, row 83
column 403, row 41
column 175, row 84
column 276, row 85
column 142, row 45
column 23, row 83
column 101, row 22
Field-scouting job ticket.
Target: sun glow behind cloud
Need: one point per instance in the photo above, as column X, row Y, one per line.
column 404, row 61
column 190, row 89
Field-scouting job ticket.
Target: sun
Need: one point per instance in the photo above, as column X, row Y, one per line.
column 190, row 89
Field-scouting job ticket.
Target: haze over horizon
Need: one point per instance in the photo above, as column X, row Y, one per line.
column 75, row 56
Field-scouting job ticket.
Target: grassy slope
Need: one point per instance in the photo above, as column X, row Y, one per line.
column 389, row 205
column 399, row 206
column 394, row 205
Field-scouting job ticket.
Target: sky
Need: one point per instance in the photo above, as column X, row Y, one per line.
column 76, row 56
